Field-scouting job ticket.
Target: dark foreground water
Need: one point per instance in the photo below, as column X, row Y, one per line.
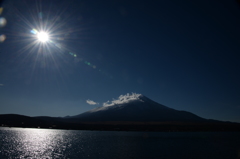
column 47, row 143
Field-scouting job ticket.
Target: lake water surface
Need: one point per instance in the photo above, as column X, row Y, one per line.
column 49, row 143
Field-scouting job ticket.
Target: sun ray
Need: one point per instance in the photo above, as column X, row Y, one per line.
column 42, row 34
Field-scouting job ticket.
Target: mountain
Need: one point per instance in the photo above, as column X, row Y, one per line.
column 136, row 107
column 131, row 112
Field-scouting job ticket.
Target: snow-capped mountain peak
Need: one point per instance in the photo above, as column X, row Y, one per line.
column 135, row 107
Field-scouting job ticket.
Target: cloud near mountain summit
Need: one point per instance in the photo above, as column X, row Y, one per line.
column 123, row 99
column 91, row 102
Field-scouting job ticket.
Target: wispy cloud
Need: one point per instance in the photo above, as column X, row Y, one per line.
column 1, row 85
column 123, row 99
column 91, row 102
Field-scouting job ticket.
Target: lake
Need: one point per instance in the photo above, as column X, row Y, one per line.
column 50, row 143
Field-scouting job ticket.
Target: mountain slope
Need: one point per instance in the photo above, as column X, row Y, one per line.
column 136, row 107
column 133, row 112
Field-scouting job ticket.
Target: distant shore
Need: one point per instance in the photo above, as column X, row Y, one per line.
column 137, row 127
column 20, row 121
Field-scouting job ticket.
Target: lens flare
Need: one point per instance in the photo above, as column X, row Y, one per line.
column 2, row 38
column 3, row 22
column 47, row 36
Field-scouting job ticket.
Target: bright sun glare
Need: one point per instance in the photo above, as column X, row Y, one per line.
column 42, row 37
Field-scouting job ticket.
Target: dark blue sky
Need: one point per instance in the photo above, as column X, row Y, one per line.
column 182, row 54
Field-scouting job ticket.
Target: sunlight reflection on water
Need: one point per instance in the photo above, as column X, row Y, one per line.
column 49, row 143
column 35, row 143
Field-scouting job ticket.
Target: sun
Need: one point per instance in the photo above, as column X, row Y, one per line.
column 42, row 37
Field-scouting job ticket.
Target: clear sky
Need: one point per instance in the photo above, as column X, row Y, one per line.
column 182, row 54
